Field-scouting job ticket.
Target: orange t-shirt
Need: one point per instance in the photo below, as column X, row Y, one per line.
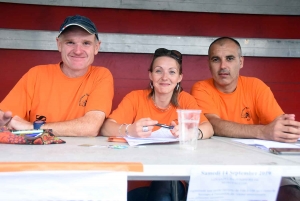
column 137, row 105
column 45, row 90
column 251, row 103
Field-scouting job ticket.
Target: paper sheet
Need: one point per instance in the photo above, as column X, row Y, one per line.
column 233, row 183
column 64, row 185
column 162, row 135
column 266, row 144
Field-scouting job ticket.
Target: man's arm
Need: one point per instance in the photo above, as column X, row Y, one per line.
column 88, row 125
column 283, row 129
column 5, row 117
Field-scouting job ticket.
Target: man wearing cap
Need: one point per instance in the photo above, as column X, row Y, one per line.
column 71, row 97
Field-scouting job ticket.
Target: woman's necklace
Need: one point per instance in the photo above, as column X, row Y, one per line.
column 160, row 109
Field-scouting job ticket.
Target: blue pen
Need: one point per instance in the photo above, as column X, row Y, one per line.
column 165, row 126
column 32, row 134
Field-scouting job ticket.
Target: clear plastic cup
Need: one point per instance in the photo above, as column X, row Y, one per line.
column 188, row 121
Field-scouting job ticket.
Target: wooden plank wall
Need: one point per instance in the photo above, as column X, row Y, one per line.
column 130, row 70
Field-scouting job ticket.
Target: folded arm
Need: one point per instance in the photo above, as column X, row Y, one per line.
column 283, row 129
column 88, row 125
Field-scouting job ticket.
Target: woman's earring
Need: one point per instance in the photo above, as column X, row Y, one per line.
column 151, row 86
column 177, row 87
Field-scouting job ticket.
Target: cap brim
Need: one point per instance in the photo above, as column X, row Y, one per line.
column 74, row 24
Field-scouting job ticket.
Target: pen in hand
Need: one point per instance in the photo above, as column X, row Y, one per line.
column 164, row 126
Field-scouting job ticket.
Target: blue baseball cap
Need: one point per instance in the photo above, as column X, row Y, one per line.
column 80, row 21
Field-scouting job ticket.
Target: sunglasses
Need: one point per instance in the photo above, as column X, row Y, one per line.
column 172, row 53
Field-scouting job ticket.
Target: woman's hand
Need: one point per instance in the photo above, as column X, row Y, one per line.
column 141, row 128
column 175, row 130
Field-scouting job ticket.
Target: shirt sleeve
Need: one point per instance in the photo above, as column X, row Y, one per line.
column 189, row 102
column 204, row 98
column 126, row 110
column 267, row 107
column 102, row 94
column 19, row 99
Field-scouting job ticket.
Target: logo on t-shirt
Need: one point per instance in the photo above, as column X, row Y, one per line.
column 40, row 118
column 246, row 113
column 83, row 100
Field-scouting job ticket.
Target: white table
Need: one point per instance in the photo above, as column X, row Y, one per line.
column 160, row 162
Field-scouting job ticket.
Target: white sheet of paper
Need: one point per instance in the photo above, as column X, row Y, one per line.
column 214, row 183
column 64, row 185
column 162, row 135
column 266, row 143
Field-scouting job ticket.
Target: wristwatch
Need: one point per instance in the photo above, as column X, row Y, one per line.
column 37, row 124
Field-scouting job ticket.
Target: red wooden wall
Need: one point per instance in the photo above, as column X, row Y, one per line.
column 130, row 70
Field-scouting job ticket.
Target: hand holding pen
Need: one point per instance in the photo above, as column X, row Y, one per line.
column 143, row 128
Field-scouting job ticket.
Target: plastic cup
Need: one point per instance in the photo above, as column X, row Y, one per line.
column 188, row 121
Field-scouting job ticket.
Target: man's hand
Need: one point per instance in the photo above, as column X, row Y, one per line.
column 5, row 117
column 17, row 123
column 283, row 129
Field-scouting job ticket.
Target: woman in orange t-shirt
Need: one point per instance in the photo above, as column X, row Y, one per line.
column 140, row 110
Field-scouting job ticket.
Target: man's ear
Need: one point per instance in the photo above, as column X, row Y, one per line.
column 241, row 62
column 97, row 47
column 58, row 44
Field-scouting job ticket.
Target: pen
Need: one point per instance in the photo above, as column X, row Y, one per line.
column 164, row 126
column 19, row 132
column 29, row 135
column 32, row 135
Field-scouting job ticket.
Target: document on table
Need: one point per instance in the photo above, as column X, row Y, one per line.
column 64, row 185
column 162, row 135
column 210, row 183
column 266, row 144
